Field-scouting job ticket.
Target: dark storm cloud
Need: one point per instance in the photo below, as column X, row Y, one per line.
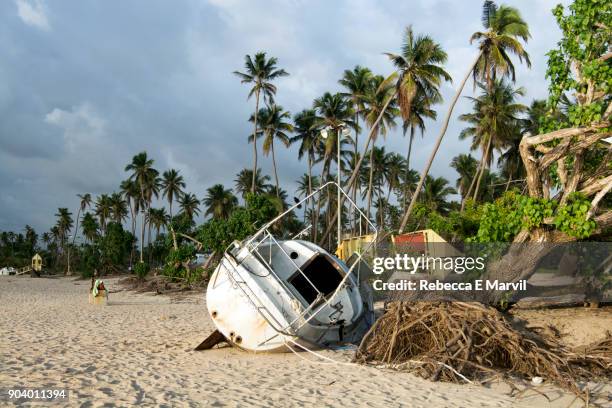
column 85, row 85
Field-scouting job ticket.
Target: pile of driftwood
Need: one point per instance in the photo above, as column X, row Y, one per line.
column 469, row 342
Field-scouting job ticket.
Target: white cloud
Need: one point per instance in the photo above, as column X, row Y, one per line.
column 81, row 125
column 33, row 13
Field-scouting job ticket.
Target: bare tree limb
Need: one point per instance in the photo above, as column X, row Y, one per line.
column 598, row 197
column 598, row 185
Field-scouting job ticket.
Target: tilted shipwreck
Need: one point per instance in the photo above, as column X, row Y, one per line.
column 269, row 294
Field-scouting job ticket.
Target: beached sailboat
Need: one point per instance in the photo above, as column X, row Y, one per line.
column 268, row 294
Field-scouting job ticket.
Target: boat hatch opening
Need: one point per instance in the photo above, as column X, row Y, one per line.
column 322, row 273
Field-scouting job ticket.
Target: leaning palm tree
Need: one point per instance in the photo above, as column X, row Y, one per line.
column 189, row 204
column 356, row 83
column 244, row 181
column 504, row 27
column 145, row 176
column 260, row 72
column 219, row 202
column 273, row 126
column 493, row 122
column 84, row 203
column 172, row 185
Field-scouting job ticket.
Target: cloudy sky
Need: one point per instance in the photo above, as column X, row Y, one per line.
column 85, row 85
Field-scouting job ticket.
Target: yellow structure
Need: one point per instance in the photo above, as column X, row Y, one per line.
column 37, row 263
column 348, row 246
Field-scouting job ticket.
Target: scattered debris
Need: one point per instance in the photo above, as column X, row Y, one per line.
column 469, row 342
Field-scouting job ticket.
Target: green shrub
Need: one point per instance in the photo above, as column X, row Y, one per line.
column 141, row 269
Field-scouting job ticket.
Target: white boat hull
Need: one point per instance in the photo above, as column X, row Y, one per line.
column 260, row 303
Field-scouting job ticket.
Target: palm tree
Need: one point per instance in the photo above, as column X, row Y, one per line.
column 46, row 238
column 380, row 115
column 63, row 225
column 305, row 184
column 356, row 82
column 504, row 26
column 85, row 202
column 419, row 111
column 309, row 136
column 131, row 194
column 510, row 161
column 172, row 185
column 493, row 122
column 145, row 176
column 220, row 202
column 394, row 166
column 434, row 194
column 119, row 209
column 259, row 72
column 244, row 182
column 103, row 210
column 273, row 127
column 189, row 205
column 419, row 71
column 334, row 112
column 465, row 165
column 158, row 218
column 90, row 227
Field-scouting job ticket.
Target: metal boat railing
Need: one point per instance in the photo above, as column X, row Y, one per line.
column 262, row 235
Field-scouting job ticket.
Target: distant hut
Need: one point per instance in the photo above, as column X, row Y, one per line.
column 37, row 263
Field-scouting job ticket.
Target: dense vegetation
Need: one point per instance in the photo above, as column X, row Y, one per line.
column 500, row 200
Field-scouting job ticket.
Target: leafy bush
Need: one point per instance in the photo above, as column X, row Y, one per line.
column 513, row 212
column 141, row 269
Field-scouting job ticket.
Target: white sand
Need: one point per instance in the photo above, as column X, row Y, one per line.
column 138, row 349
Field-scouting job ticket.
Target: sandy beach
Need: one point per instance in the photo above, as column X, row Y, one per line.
column 138, row 350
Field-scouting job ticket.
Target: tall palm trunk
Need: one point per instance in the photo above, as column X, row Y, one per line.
column 485, row 160
column 149, row 237
column 323, row 181
column 133, row 220
column 255, row 141
column 76, row 230
column 408, row 166
column 275, row 173
column 370, row 180
column 472, row 184
column 436, row 146
column 142, row 227
column 310, row 202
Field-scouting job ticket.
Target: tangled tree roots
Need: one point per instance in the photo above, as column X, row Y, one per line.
column 460, row 342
